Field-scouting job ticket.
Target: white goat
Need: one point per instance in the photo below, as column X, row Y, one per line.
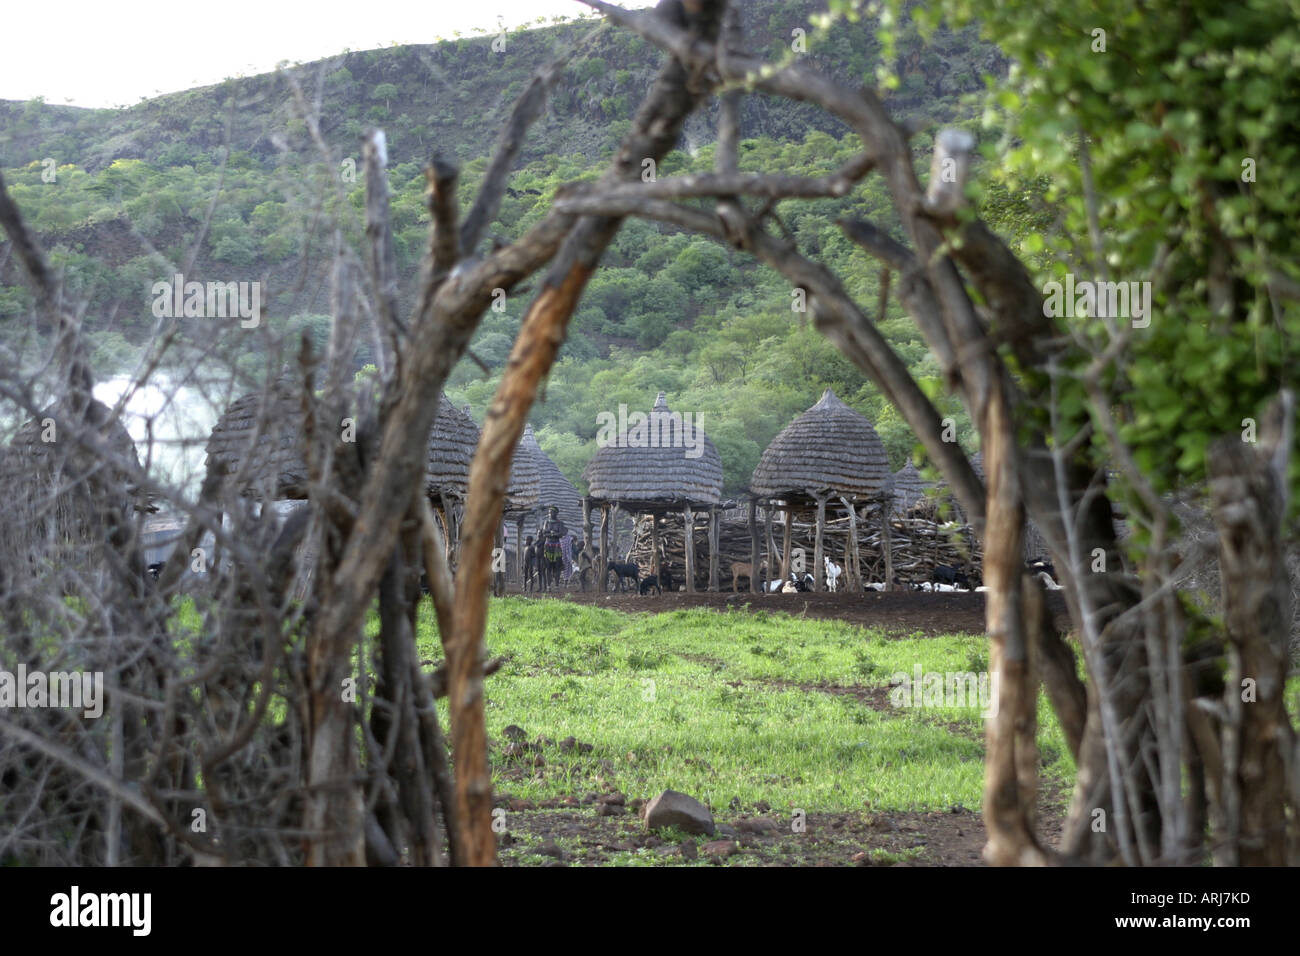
column 833, row 572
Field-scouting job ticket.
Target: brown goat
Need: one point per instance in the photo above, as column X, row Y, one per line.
column 743, row 569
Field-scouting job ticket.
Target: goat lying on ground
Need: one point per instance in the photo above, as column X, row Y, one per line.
column 1042, row 576
column 1041, row 566
column 800, row 582
column 628, row 570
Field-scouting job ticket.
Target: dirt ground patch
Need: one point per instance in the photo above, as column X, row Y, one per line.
column 587, row 832
column 896, row 612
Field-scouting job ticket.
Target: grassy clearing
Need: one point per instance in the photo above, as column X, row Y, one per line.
column 723, row 705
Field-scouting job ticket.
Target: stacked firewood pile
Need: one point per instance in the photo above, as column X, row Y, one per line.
column 920, row 539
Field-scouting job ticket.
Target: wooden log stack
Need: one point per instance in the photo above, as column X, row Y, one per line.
column 919, row 540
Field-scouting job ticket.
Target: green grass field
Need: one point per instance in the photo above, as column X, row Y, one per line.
column 722, row 705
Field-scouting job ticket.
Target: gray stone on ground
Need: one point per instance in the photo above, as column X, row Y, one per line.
column 673, row 809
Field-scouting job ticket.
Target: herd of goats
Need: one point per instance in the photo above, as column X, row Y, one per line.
column 543, row 573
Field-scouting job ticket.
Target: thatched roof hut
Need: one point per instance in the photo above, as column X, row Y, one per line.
column 651, row 467
column 554, row 489
column 909, row 488
column 55, row 516
column 451, row 449
column 258, row 442
column 830, row 448
column 655, row 464
column 523, row 494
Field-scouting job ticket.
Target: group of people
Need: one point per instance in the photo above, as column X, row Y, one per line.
column 557, row 555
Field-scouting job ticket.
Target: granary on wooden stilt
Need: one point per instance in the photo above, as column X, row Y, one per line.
column 829, row 459
column 554, row 491
column 653, row 465
column 909, row 488
column 523, row 493
column 256, row 456
column 66, row 502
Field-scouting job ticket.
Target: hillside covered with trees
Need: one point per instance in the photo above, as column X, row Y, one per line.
column 231, row 176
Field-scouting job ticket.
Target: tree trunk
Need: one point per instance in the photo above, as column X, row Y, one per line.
column 1247, row 487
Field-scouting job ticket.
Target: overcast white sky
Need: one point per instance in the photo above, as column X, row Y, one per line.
column 98, row 53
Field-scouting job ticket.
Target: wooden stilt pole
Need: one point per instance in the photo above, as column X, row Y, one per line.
column 654, row 543
column 689, row 544
column 887, row 545
column 615, row 554
column 852, row 562
column 715, row 522
column 786, row 539
column 819, row 563
column 604, row 546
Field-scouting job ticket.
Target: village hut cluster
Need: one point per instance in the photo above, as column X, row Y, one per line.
column 822, row 504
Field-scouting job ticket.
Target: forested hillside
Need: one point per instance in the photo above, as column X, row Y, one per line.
column 122, row 197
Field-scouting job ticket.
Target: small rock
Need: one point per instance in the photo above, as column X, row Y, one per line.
column 567, row 744
column 614, row 797
column 758, row 825
column 515, row 732
column 726, row 830
column 636, row 804
column 719, row 849
column 689, row 850
column 515, row 750
column 506, row 839
column 570, row 801
column 673, row 809
column 517, row 804
column 762, row 806
column 539, row 760
column 611, row 810
column 591, row 798
column 588, row 748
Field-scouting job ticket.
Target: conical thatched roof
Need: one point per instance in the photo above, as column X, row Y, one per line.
column 34, row 452
column 909, row 488
column 52, row 512
column 260, row 436
column 830, row 447
column 554, row 490
column 651, row 465
column 524, row 491
column 271, row 439
column 451, row 449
